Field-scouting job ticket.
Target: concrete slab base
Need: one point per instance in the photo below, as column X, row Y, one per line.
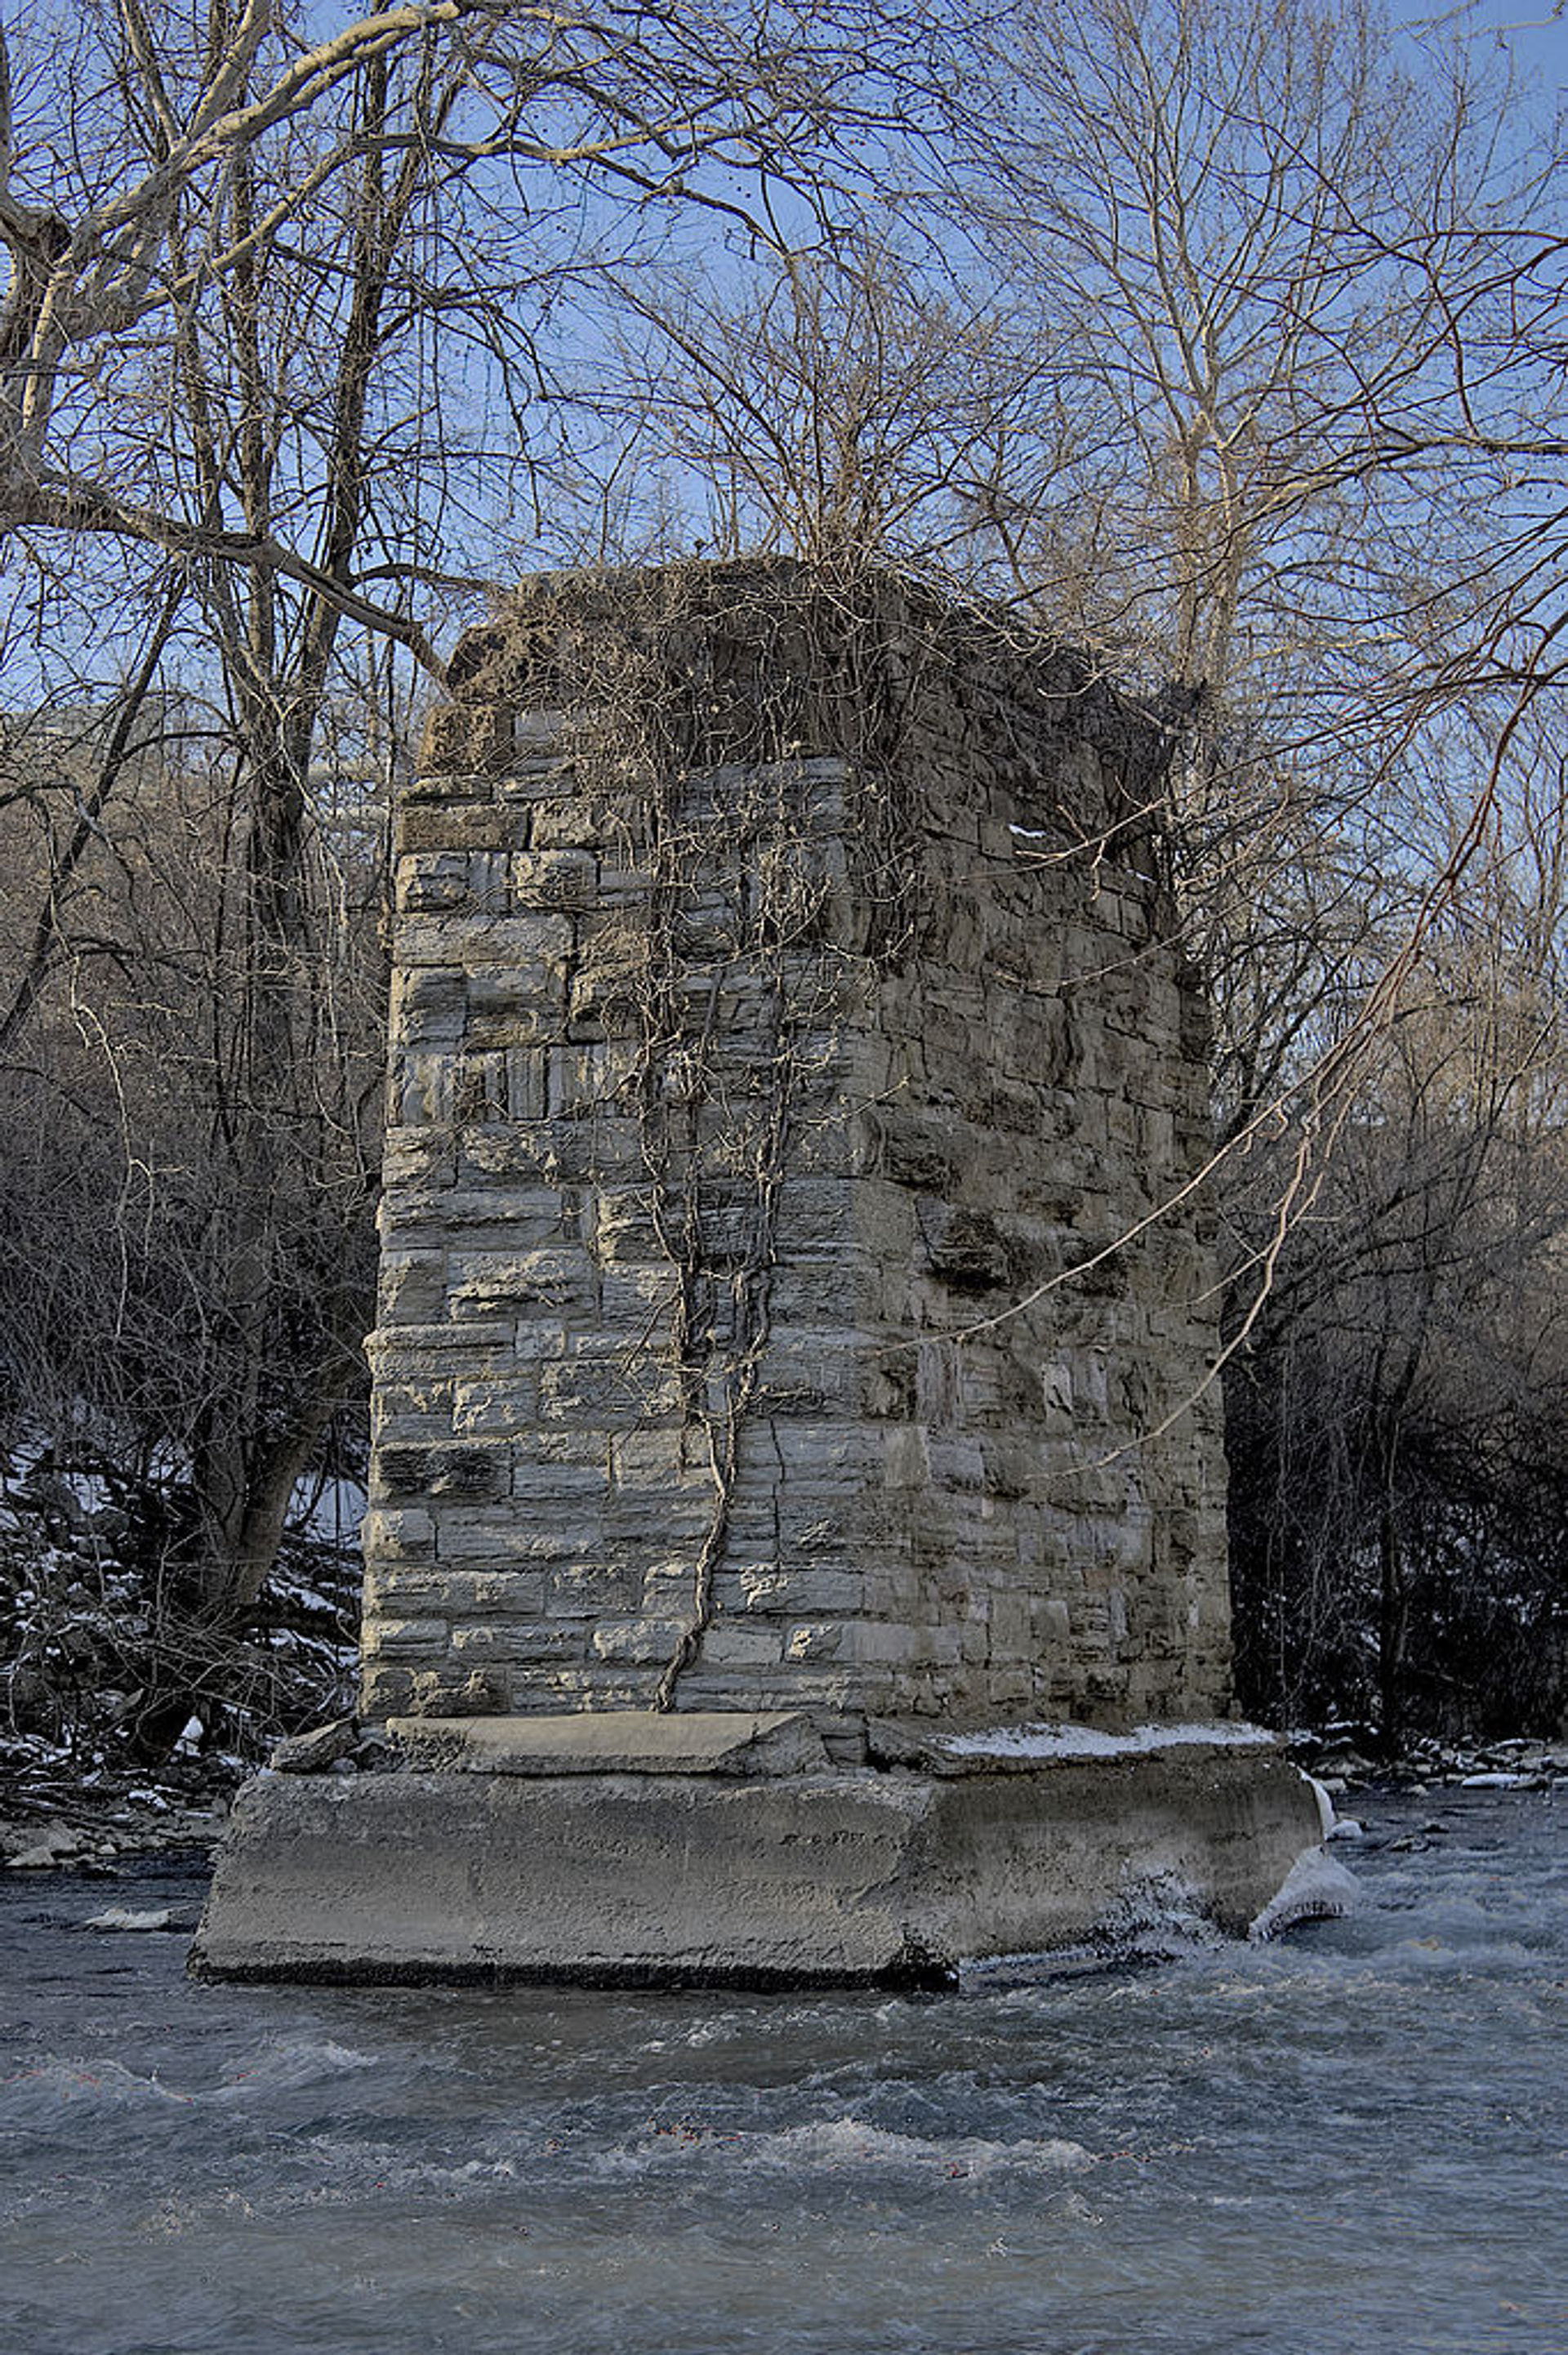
column 656, row 1878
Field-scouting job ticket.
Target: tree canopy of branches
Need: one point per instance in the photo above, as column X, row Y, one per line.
column 1222, row 340
column 273, row 363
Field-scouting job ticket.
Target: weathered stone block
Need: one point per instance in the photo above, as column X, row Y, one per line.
column 416, row 1412
column 819, row 1640
column 408, row 1639
column 412, row 1285
column 499, row 1405
column 585, row 1587
column 740, row 1643
column 788, row 1592
column 463, row 1471
column 481, row 1537
column 560, row 1279
column 461, row 737
column 641, row 1640
column 551, row 878
column 396, row 1535
column 619, row 1392
column 421, row 1590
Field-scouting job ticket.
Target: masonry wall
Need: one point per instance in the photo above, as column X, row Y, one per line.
column 789, row 1057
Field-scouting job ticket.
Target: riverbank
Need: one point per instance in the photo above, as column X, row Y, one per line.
column 59, row 1814
column 1343, row 1760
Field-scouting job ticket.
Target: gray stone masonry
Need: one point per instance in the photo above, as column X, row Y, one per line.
column 788, row 1296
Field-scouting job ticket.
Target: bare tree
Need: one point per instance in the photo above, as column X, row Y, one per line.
column 1395, row 1415
column 162, row 164
column 832, row 402
column 283, row 311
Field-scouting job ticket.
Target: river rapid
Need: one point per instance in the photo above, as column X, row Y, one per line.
column 1347, row 2141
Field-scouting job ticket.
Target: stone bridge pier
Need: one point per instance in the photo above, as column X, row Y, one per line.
column 796, row 1548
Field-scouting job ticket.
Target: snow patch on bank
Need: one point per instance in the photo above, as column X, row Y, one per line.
column 1062, row 1741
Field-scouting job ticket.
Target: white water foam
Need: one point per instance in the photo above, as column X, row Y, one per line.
column 1325, row 1798
column 1316, row 1888
column 59, row 2079
column 844, row 2145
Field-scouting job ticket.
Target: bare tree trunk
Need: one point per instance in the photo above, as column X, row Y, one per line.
column 1393, row 1596
column 48, row 932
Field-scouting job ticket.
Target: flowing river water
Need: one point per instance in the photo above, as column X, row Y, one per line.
column 1350, row 2140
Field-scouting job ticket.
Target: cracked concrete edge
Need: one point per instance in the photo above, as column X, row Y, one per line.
column 615, row 1742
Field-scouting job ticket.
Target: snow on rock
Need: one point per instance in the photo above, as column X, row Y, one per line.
column 1062, row 1741
column 39, row 1845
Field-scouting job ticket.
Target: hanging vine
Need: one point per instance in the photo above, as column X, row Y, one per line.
column 739, row 727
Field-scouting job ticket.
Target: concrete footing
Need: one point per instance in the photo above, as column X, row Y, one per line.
column 639, row 1867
